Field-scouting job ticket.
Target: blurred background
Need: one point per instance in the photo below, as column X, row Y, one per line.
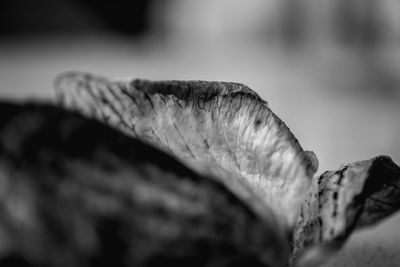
column 329, row 68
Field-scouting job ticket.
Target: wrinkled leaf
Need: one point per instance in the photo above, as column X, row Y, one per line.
column 356, row 195
column 230, row 129
column 226, row 125
column 74, row 192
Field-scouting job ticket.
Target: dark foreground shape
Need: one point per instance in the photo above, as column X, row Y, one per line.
column 74, row 192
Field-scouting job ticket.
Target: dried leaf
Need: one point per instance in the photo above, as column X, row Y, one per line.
column 232, row 131
column 223, row 124
column 356, row 195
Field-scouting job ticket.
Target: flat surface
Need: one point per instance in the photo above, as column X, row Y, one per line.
column 313, row 91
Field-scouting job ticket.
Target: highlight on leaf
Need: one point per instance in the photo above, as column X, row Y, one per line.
column 220, row 123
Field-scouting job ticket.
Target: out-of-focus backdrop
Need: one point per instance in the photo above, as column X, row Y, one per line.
column 329, row 68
